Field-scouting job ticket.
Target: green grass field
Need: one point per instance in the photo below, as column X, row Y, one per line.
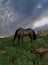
column 20, row 54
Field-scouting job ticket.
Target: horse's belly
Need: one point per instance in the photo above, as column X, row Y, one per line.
column 26, row 34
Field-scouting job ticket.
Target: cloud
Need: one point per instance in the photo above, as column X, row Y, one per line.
column 40, row 23
column 22, row 13
column 39, row 6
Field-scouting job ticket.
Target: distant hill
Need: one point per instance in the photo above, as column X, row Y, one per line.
column 42, row 32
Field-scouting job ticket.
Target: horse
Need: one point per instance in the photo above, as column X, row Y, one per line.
column 21, row 32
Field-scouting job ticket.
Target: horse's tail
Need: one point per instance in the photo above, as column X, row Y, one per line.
column 34, row 35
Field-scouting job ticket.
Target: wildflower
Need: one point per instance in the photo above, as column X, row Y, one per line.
column 8, row 57
column 24, row 50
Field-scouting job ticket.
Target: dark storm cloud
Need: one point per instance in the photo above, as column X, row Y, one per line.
column 20, row 13
column 23, row 6
column 29, row 7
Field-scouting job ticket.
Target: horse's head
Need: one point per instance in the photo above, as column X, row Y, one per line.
column 14, row 42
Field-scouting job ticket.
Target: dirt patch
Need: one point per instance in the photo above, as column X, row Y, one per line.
column 3, row 52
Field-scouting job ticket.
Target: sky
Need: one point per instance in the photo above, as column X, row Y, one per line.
column 22, row 13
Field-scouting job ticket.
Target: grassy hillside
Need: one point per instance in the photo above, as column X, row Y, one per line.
column 20, row 54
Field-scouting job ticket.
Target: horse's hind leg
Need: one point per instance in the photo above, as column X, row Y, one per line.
column 31, row 37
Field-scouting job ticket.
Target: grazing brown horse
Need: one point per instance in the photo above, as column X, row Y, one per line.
column 20, row 33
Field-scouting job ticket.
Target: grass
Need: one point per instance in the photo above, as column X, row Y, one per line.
column 20, row 54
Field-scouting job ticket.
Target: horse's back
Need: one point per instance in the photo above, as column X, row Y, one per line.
column 25, row 31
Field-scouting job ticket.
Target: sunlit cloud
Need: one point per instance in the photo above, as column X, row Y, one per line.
column 41, row 22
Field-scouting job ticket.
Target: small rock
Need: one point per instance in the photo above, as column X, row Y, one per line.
column 40, row 51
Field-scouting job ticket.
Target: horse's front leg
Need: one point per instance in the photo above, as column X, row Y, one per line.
column 18, row 40
column 22, row 39
column 31, row 39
